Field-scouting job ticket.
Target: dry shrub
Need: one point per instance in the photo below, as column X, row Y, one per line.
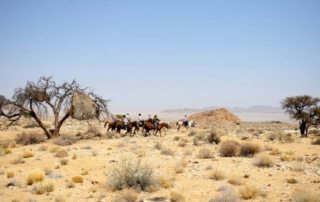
column 235, row 180
column 287, row 157
column 61, row 153
column 32, row 124
column 264, row 160
column 176, row 138
column 10, row 174
column 131, row 173
column 27, row 154
column 229, row 148
column 176, row 197
column 226, row 194
column 54, row 149
column 60, row 198
column 92, row 132
column 77, row 179
column 30, row 138
column 65, row 140
column 126, row 195
column 205, row 153
column 275, row 152
column 316, row 141
column 249, row 149
column 292, row 181
column 249, row 192
column 286, row 138
column 64, row 162
column 167, row 151
column 216, row 175
column 183, row 142
column 43, row 187
column 70, row 184
column 18, row 160
column 192, row 133
column 35, row 176
column 213, row 137
column 158, row 146
column 304, row 195
column 4, row 151
column 180, row 166
column 74, row 156
column 43, row 148
column 165, row 182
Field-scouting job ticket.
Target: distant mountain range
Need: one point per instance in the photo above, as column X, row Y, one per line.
column 252, row 109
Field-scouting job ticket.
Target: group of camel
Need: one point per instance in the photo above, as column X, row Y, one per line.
column 146, row 126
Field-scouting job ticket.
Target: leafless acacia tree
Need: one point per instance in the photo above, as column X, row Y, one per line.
column 39, row 98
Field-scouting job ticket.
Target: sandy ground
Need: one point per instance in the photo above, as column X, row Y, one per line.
column 94, row 159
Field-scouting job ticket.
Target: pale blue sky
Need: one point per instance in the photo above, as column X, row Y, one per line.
column 153, row 55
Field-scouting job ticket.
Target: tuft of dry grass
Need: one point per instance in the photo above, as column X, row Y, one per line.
column 303, row 195
column 176, row 197
column 275, row 152
column 205, row 153
column 43, row 148
column 292, row 181
column 183, row 142
column 226, row 194
column 167, row 151
column 131, row 173
column 264, row 160
column 158, row 146
column 43, row 187
column 63, row 162
column 229, row 148
column 18, row 160
column 61, row 153
column 60, row 198
column 35, row 176
column 30, row 138
column 213, row 137
column 216, row 175
column 126, row 195
column 27, row 154
column 249, row 192
column 54, row 149
column 235, row 180
column 70, row 184
column 77, row 179
column 10, row 174
column 287, row 157
column 64, row 140
column 316, row 141
column 249, row 149
column 180, row 166
column 165, row 182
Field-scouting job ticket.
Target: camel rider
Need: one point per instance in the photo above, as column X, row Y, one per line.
column 125, row 120
column 155, row 121
column 185, row 121
column 140, row 120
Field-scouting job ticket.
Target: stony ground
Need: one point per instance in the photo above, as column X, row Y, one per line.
column 185, row 165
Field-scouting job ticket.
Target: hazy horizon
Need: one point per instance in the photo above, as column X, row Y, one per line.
column 150, row 56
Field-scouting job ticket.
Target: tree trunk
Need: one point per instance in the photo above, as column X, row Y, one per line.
column 46, row 131
column 58, row 125
column 303, row 129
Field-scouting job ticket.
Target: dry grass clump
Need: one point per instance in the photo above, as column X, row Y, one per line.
column 226, row 194
column 180, row 166
column 286, row 138
column 27, row 154
column 235, row 180
column 77, row 179
column 4, row 151
column 54, row 149
column 192, row 133
column 216, row 175
column 158, row 146
column 229, row 148
column 165, row 182
column 176, row 197
column 126, row 195
column 264, row 160
column 316, row 141
column 64, row 162
column 92, row 132
column 183, row 142
column 64, row 140
column 305, row 196
column 30, row 138
column 287, row 157
column 43, row 148
column 205, row 153
column 61, row 153
column 60, row 198
column 35, row 176
column 18, row 160
column 213, row 137
column 292, row 181
column 275, row 152
column 131, row 173
column 10, row 174
column 70, row 184
column 249, row 149
column 167, row 151
column 43, row 187
column 249, row 192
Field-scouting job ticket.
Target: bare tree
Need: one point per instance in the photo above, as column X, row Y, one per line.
column 38, row 99
column 304, row 109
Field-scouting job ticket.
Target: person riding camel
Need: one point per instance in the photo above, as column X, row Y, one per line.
column 155, row 121
column 185, row 121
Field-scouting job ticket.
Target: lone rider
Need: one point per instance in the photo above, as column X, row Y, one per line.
column 185, row 121
column 155, row 121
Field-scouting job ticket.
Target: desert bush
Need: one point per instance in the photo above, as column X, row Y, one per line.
column 249, row 192
column 4, row 151
column 226, row 194
column 43, row 148
column 131, row 173
column 287, row 157
column 176, row 138
column 183, row 142
column 292, row 181
column 54, row 149
column 126, row 195
column 213, row 137
column 229, row 148
column 43, row 187
column 192, row 133
column 64, row 162
column 30, row 138
column 92, row 132
column 176, row 197
column 60, row 198
column 196, row 141
column 286, row 138
column 32, row 124
column 64, row 140
column 35, row 176
column 305, row 195
column 235, row 180
column 264, row 160
column 10, row 174
column 249, row 149
column 275, row 152
column 316, row 141
column 216, row 175
column 205, row 153
column 27, row 154
column 165, row 182
column 167, row 151
column 77, row 179
column 18, row 160
column 180, row 166
column 61, row 153
column 70, row 184
column 158, row 146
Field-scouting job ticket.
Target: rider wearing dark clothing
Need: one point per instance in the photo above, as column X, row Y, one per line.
column 155, row 121
column 185, row 121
